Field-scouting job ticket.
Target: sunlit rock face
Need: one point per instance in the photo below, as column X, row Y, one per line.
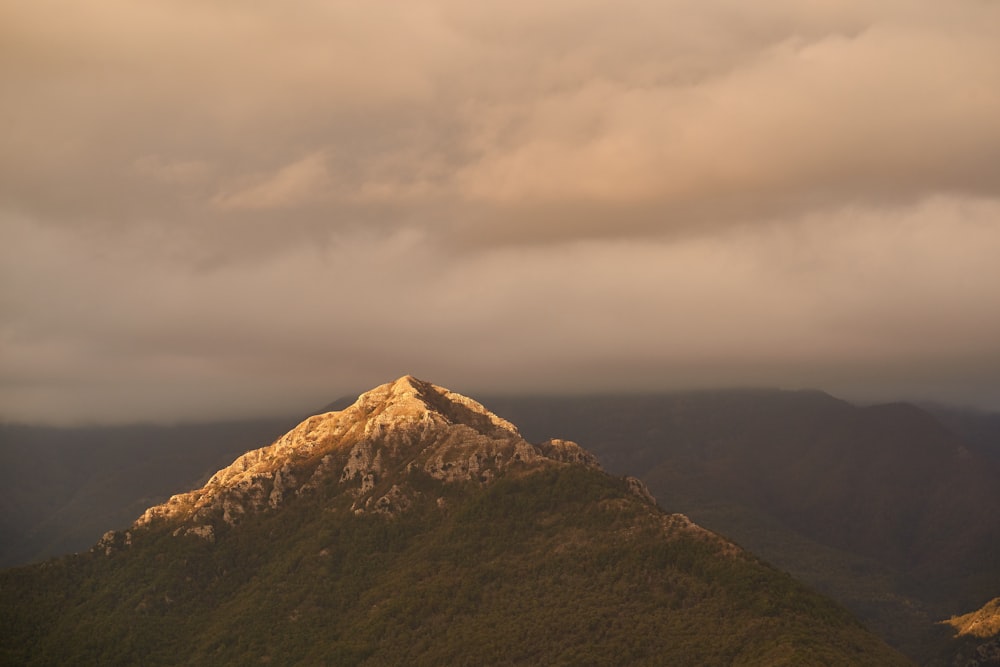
column 415, row 527
column 370, row 451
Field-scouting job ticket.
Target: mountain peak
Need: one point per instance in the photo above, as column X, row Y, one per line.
column 416, row 527
column 368, row 458
column 402, row 390
column 399, row 402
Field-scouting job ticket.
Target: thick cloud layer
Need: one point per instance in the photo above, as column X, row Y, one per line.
column 220, row 208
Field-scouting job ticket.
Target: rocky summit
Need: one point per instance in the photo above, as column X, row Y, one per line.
column 416, row 527
column 370, row 449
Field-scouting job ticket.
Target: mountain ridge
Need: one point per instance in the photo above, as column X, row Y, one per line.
column 421, row 426
column 977, row 635
column 882, row 507
column 432, row 534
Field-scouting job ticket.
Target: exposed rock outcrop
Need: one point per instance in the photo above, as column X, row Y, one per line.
column 978, row 633
column 638, row 488
column 982, row 623
column 369, row 449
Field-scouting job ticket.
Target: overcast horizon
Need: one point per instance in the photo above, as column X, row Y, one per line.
column 214, row 209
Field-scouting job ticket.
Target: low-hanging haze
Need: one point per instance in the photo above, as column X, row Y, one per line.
column 215, row 208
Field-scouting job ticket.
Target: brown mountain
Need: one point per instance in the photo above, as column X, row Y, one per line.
column 416, row 527
column 977, row 635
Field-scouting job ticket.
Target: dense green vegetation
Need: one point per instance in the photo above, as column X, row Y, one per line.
column 882, row 508
column 560, row 566
column 813, row 485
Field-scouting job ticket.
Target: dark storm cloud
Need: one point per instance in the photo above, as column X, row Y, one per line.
column 216, row 207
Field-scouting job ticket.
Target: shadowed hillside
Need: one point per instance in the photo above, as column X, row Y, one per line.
column 62, row 488
column 415, row 527
column 881, row 507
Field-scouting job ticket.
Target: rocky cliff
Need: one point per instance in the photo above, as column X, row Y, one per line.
column 370, row 451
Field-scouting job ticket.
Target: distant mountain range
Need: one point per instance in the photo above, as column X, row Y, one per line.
column 881, row 507
column 981, row 430
column 416, row 527
column 62, row 488
column 891, row 510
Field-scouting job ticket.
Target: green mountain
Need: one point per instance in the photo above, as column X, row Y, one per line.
column 881, row 507
column 415, row 527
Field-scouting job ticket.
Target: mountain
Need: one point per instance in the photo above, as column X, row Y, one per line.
column 983, row 623
column 881, row 507
column 416, row 527
column 978, row 636
column 61, row 488
column 978, row 428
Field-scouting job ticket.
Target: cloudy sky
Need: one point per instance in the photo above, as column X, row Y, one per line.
column 223, row 208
